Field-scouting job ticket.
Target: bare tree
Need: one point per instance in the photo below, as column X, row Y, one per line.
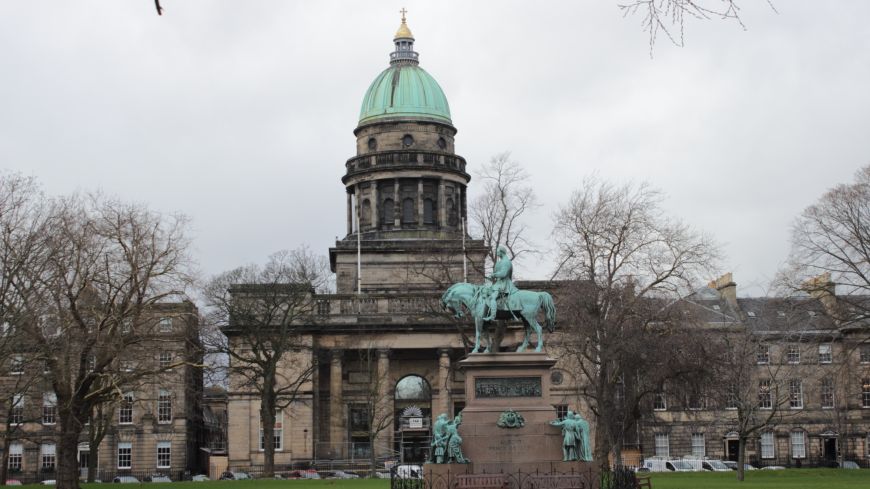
column 372, row 406
column 498, row 213
column 83, row 302
column 630, row 264
column 830, row 248
column 266, row 314
column 669, row 16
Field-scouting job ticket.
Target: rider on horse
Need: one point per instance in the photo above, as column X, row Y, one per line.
column 502, row 283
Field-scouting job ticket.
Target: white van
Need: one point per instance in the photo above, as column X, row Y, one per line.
column 715, row 466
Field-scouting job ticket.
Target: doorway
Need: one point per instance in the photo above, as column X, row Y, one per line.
column 732, row 449
column 84, row 458
column 829, row 450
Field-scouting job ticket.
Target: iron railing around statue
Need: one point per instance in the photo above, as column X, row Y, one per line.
column 457, row 477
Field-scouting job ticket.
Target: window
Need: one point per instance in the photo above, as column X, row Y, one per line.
column 731, row 397
column 696, row 401
column 164, row 454
column 767, row 444
column 407, row 140
column 826, row 392
column 825, row 355
column 793, row 355
column 125, row 410
column 662, row 445
column 388, row 216
column 16, row 366
column 865, row 393
column 864, row 354
column 125, row 455
column 660, row 402
column 795, row 394
column 764, row 399
column 165, row 359
column 798, row 447
column 561, row 410
column 277, row 434
column 47, row 456
column 16, row 413
column 408, row 211
column 365, row 217
column 698, row 445
column 164, row 406
column 16, row 455
column 166, row 325
column 428, row 211
column 127, row 366
column 126, row 325
column 49, row 408
column 763, row 355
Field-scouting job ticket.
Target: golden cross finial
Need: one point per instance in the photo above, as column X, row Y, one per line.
column 403, row 12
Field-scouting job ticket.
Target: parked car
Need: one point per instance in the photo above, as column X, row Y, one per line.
column 847, row 464
column 13, row 482
column 773, row 467
column 200, row 478
column 340, row 474
column 309, row 474
column 234, row 476
column 714, row 466
column 125, row 479
column 406, row 471
column 733, row 465
column 158, row 478
column 48, row 482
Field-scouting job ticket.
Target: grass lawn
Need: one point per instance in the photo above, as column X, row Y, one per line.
column 766, row 479
column 758, row 479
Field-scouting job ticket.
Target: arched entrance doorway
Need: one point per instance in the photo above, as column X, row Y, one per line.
column 413, row 414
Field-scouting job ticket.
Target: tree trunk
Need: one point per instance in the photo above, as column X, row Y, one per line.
column 741, row 457
column 72, row 421
column 267, row 417
column 93, row 458
column 4, row 463
column 67, row 454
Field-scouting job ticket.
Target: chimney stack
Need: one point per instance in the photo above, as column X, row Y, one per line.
column 726, row 287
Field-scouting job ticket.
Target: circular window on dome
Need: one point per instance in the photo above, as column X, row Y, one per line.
column 442, row 143
column 407, row 140
column 373, row 144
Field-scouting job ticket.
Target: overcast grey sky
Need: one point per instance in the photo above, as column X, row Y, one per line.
column 240, row 114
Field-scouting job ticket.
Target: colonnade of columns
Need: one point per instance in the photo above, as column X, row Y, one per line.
column 355, row 197
column 338, row 434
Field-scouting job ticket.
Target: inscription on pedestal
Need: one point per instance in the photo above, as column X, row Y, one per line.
column 488, row 387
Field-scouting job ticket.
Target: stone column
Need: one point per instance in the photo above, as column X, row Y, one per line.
column 357, row 193
column 349, row 213
column 336, row 405
column 376, row 218
column 385, row 404
column 442, row 209
column 397, row 205
column 420, row 202
column 442, row 404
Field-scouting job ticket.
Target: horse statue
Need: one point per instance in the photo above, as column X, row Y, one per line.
column 522, row 304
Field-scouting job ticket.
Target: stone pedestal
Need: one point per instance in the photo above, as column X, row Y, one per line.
column 520, row 382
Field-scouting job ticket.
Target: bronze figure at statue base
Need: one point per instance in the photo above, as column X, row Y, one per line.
column 509, row 425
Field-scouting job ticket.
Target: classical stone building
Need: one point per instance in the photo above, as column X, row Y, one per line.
column 153, row 430
column 383, row 329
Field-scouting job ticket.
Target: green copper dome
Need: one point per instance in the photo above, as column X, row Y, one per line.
column 406, row 91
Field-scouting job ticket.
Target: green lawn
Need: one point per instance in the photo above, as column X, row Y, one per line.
column 758, row 479
column 766, row 479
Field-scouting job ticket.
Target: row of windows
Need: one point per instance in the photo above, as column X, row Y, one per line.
column 48, row 455
column 18, row 365
column 797, row 440
column 125, row 410
column 766, row 397
column 793, row 354
column 409, row 214
column 407, row 141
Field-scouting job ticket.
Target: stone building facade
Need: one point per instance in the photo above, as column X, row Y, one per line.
column 155, row 429
column 812, row 369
